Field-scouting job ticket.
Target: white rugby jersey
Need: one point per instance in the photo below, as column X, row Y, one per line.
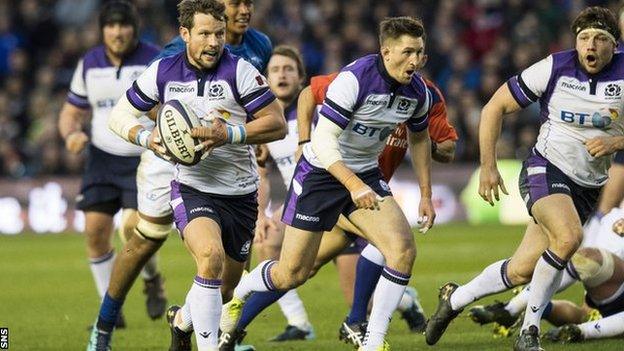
column 368, row 104
column 235, row 88
column 575, row 106
column 602, row 235
column 98, row 85
column 283, row 151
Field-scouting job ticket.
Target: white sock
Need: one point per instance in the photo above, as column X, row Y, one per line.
column 258, row 280
column 205, row 299
column 101, row 269
column 294, row 311
column 150, row 270
column 604, row 328
column 493, row 279
column 373, row 254
column 186, row 322
column 546, row 279
column 388, row 293
column 519, row 302
column 407, row 301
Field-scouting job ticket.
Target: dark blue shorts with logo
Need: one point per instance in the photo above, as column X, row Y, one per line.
column 108, row 182
column 235, row 215
column 316, row 199
column 608, row 308
column 540, row 178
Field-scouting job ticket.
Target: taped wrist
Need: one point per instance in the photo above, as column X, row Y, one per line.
column 236, row 134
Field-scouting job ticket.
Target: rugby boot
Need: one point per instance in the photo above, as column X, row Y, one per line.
column 294, row 333
column 443, row 315
column 231, row 341
column 99, row 340
column 495, row 312
column 230, row 314
column 384, row 347
column 155, row 299
column 414, row 316
column 569, row 333
column 528, row 340
column 352, row 333
column 180, row 340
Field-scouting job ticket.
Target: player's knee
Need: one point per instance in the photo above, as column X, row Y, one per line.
column 403, row 256
column 128, row 222
column 569, row 240
column 152, row 231
column 594, row 266
column 210, row 261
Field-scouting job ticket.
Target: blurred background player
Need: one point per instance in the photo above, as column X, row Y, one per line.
column 214, row 213
column 109, row 180
column 370, row 208
column 561, row 184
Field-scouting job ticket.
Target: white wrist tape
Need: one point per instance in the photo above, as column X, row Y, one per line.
column 142, row 138
column 236, row 134
column 124, row 117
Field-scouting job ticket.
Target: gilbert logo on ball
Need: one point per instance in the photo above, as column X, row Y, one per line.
column 174, row 122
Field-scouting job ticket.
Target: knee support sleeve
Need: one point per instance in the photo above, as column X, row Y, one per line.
column 592, row 273
column 151, row 231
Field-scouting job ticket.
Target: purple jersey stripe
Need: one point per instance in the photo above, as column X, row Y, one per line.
column 301, row 172
column 77, row 100
column 538, row 182
column 516, row 91
column 340, row 120
column 260, row 102
column 179, row 211
column 136, row 100
column 418, row 125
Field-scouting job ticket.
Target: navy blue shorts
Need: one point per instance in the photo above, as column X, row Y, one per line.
column 356, row 246
column 236, row 215
column 540, row 178
column 619, row 158
column 608, row 309
column 316, row 199
column 108, row 182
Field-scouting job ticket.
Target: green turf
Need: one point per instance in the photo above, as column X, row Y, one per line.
column 47, row 297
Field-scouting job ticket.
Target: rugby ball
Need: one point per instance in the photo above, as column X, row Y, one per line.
column 174, row 122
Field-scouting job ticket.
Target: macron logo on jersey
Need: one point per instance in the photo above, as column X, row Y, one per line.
column 573, row 86
column 181, row 89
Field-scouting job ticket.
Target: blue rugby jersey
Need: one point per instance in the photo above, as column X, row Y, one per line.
column 97, row 85
column 369, row 104
column 235, row 88
column 574, row 106
column 256, row 48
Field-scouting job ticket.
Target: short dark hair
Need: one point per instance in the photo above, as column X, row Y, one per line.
column 188, row 8
column 394, row 27
column 294, row 54
column 596, row 17
column 119, row 11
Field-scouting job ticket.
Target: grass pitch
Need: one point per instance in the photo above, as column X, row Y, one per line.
column 47, row 296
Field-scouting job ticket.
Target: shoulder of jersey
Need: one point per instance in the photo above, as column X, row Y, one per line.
column 96, row 54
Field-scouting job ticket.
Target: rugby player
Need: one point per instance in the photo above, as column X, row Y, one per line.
column 363, row 106
column 109, row 179
column 581, row 101
column 214, row 212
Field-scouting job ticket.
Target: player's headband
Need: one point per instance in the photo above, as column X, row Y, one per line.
column 596, row 27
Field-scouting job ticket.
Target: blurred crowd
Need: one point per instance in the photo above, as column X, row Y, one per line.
column 473, row 47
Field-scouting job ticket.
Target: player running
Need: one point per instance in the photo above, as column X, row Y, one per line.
column 214, row 212
column 363, row 106
column 581, row 101
column 109, row 179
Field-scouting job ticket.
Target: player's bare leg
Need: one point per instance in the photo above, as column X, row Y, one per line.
column 390, row 232
column 345, row 264
column 497, row 277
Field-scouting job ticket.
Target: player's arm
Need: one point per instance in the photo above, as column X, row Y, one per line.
column 74, row 112
column 70, row 124
column 490, row 125
column 264, row 194
column 443, row 152
column 305, row 115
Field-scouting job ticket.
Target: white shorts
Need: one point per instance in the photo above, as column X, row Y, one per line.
column 153, row 178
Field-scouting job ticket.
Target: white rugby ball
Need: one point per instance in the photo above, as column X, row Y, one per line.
column 174, row 122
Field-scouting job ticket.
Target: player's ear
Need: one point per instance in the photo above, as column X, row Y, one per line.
column 385, row 51
column 185, row 33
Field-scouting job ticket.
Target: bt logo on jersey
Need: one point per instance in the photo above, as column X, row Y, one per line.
column 601, row 120
column 371, row 132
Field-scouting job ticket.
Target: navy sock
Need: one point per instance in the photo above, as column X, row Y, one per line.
column 547, row 310
column 109, row 311
column 367, row 275
column 255, row 304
